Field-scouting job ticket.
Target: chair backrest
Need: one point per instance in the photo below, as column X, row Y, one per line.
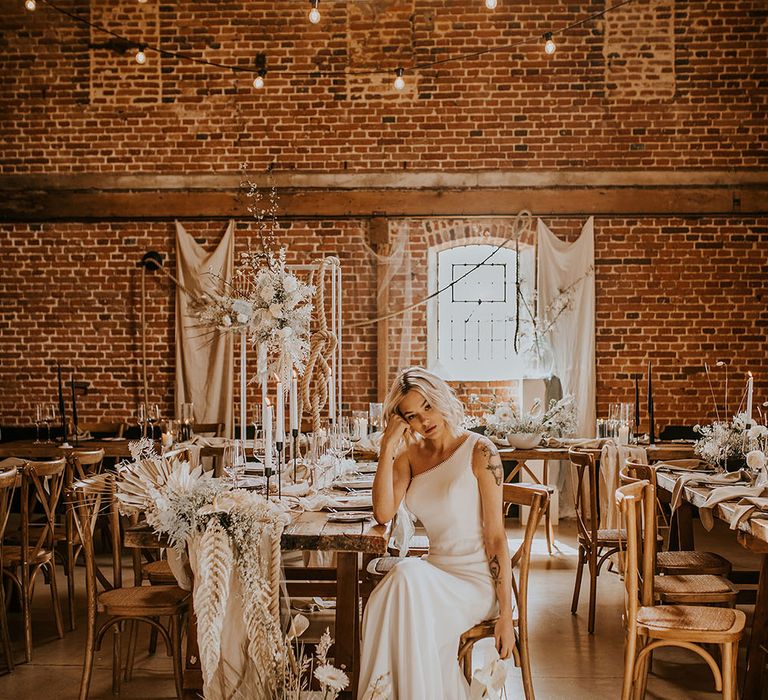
column 93, row 497
column 86, row 462
column 584, row 464
column 636, row 504
column 103, row 429
column 41, row 487
column 536, row 498
column 216, row 429
column 7, row 486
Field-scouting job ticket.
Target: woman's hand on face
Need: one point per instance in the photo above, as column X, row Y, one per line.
column 504, row 633
column 395, row 431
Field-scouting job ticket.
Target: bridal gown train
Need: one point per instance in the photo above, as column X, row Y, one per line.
column 415, row 616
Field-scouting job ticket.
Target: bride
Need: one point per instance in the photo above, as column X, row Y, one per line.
column 451, row 480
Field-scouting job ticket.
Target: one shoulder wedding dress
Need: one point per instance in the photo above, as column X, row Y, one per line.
column 417, row 613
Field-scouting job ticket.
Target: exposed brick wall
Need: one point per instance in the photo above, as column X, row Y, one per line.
column 680, row 86
column 603, row 100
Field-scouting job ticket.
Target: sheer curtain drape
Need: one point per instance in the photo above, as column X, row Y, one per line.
column 204, row 362
column 560, row 265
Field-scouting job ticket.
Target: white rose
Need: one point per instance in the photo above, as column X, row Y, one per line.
column 285, row 332
column 276, row 310
column 290, row 284
column 758, row 431
column 503, row 413
column 241, row 307
column 755, row 459
column 267, row 292
column 242, row 318
column 226, row 321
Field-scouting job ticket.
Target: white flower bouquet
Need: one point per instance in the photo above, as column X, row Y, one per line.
column 559, row 419
column 737, row 442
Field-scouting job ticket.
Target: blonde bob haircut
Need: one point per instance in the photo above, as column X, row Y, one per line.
column 436, row 392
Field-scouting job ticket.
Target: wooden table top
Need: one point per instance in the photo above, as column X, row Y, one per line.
column 112, row 448
column 756, row 528
column 308, row 530
column 514, row 454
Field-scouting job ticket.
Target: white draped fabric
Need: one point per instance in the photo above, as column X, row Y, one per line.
column 560, row 264
column 204, row 362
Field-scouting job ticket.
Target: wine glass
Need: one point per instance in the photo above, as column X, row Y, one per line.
column 38, row 419
column 141, row 418
column 49, row 416
column 153, row 416
column 359, row 428
column 375, row 417
column 234, row 461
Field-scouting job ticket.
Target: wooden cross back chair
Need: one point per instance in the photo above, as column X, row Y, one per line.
column 679, row 562
column 120, row 604
column 41, row 488
column 651, row 626
column 537, row 499
column 595, row 545
column 694, row 589
column 103, row 429
column 7, row 487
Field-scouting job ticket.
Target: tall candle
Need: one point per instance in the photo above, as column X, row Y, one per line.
column 74, row 404
column 62, row 406
column 280, row 414
column 294, row 402
column 637, row 405
column 331, row 399
column 267, row 421
column 750, row 387
column 651, row 426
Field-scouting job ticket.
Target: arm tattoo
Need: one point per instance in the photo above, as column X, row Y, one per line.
column 494, row 461
column 495, row 568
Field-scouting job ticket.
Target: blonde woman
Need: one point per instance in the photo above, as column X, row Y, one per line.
column 451, row 480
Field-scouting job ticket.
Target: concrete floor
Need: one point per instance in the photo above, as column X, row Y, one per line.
column 568, row 664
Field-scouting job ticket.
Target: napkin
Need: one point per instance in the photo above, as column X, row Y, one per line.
column 746, row 508
column 210, row 441
column 679, row 465
column 370, row 443
column 590, row 443
column 322, row 500
column 703, row 479
column 721, row 494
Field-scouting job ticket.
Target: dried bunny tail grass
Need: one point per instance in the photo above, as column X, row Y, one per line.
column 215, row 562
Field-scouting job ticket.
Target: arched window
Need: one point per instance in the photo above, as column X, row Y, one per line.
column 471, row 326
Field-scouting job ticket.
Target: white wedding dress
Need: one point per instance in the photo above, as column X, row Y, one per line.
column 415, row 616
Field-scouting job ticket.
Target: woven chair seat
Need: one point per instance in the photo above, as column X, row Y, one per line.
column 144, row 600
column 697, row 589
column 719, row 625
column 12, row 555
column 690, row 562
column 159, row 572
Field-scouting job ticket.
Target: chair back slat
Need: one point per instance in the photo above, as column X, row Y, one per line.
column 41, row 487
column 584, row 464
column 7, row 488
column 86, row 462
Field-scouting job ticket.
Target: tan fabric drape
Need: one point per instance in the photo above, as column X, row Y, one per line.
column 204, row 361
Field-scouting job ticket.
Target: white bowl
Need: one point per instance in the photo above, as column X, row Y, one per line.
column 524, row 441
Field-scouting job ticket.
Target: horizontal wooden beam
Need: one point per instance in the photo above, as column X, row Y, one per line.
column 115, row 198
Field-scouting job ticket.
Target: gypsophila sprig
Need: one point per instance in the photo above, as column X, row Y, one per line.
column 503, row 418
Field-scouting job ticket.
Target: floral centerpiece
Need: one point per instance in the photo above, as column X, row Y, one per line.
column 270, row 305
column 733, row 444
column 525, row 429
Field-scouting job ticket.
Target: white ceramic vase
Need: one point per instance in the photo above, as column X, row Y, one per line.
column 524, row 441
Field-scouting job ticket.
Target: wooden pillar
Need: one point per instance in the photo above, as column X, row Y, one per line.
column 379, row 239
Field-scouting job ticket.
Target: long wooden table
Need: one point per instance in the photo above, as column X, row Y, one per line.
column 751, row 534
column 311, row 531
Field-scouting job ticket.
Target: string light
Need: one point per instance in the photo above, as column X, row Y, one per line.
column 141, row 57
column 30, row 5
column 549, row 44
column 258, row 82
column 490, row 4
column 261, row 70
column 399, row 80
column 314, row 13
column 142, row 2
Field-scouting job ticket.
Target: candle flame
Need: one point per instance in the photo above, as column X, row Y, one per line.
column 277, row 379
column 749, row 374
column 269, row 403
column 295, row 375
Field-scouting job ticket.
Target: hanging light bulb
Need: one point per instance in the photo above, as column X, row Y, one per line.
column 142, row 2
column 549, row 44
column 490, row 4
column 258, row 81
column 141, row 57
column 30, row 5
column 399, row 80
column 314, row 13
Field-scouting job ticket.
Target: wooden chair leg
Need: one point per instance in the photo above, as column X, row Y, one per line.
column 4, row 628
column 577, row 585
column 69, row 568
column 131, row 654
column 466, row 664
column 26, row 611
column 90, row 644
column 548, row 527
column 525, row 667
column 117, row 656
column 55, row 601
column 592, row 590
column 152, row 641
column 630, row 654
column 178, row 675
column 730, row 653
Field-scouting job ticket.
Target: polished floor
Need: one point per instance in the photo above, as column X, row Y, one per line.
column 568, row 663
